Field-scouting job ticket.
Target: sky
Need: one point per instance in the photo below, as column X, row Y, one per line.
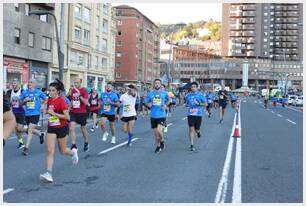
column 170, row 13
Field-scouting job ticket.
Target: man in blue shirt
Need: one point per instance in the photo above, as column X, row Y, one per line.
column 195, row 102
column 275, row 100
column 31, row 98
column 109, row 100
column 158, row 100
column 284, row 101
column 209, row 97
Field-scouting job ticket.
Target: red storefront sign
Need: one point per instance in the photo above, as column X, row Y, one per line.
column 18, row 66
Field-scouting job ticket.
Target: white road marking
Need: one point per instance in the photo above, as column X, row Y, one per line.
column 115, row 147
column 279, row 115
column 184, row 118
column 222, row 187
column 236, row 196
column 8, row 190
column 294, row 109
column 291, row 121
column 168, row 125
column 273, row 112
column 255, row 101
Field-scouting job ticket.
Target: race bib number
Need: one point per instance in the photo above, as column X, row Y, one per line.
column 31, row 105
column 194, row 111
column 54, row 121
column 76, row 104
column 221, row 96
column 126, row 108
column 157, row 101
column 106, row 107
column 94, row 102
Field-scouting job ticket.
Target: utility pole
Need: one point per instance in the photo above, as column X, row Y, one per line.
column 61, row 46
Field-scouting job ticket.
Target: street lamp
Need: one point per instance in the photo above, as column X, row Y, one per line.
column 59, row 52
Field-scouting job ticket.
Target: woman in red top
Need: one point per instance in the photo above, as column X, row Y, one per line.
column 94, row 108
column 58, row 129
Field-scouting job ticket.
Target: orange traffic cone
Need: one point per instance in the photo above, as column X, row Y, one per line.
column 236, row 132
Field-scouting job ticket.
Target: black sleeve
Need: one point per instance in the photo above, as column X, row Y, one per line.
column 6, row 104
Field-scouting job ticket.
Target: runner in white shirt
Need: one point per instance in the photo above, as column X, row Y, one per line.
column 128, row 101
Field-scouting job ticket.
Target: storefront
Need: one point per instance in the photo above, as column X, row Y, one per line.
column 95, row 82
column 15, row 69
column 39, row 72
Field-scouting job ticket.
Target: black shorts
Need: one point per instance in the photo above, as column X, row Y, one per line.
column 79, row 118
column 127, row 119
column 60, row 132
column 20, row 118
column 32, row 119
column 209, row 105
column 110, row 118
column 222, row 104
column 195, row 121
column 233, row 101
column 136, row 107
column 95, row 111
column 156, row 121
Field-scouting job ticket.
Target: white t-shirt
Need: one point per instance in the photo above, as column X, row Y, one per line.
column 128, row 105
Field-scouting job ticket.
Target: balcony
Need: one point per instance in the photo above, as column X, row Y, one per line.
column 250, row 47
column 251, row 7
column 248, row 33
column 248, row 27
column 248, row 20
column 235, row 14
column 250, row 53
column 235, row 27
column 251, row 40
column 293, row 14
column 248, row 13
column 235, row 34
column 293, row 8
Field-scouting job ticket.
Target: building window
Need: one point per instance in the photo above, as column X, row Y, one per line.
column 119, row 22
column 97, row 22
column 118, row 75
column 78, row 11
column 87, row 15
column 17, row 36
column 105, row 26
column 96, row 62
column 86, row 37
column 104, row 45
column 119, row 33
column 77, row 34
column 16, row 7
column 104, row 62
column 105, row 8
column 31, row 39
column 43, row 18
column 46, row 43
column 97, row 42
column 119, row 54
column 27, row 9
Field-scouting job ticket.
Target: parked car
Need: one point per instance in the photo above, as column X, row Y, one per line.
column 291, row 98
column 298, row 101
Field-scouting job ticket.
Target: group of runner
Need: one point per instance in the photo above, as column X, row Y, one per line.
column 66, row 112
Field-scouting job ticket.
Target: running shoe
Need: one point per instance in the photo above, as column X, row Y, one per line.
column 97, row 125
column 192, row 148
column 113, row 140
column 104, row 138
column 162, row 145
column 129, row 144
column 20, row 146
column 209, row 115
column 75, row 158
column 199, row 134
column 221, row 120
column 46, row 177
column 92, row 129
column 158, row 149
column 86, row 147
column 25, row 151
column 41, row 138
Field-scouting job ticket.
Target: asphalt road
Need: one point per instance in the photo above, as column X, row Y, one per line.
column 270, row 168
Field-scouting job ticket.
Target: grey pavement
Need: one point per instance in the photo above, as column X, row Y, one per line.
column 137, row 174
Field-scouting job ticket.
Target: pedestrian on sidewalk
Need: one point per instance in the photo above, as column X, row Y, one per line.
column 57, row 128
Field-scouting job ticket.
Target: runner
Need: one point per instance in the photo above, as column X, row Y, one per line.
column 19, row 113
column 195, row 102
column 266, row 100
column 32, row 97
column 223, row 97
column 275, row 100
column 94, row 108
column 128, row 100
column 78, row 113
column 216, row 99
column 157, row 100
column 163, row 88
column 284, row 101
column 9, row 121
column 57, row 128
column 233, row 100
column 119, row 108
column 209, row 98
column 109, row 101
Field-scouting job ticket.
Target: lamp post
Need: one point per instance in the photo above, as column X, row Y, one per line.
column 59, row 52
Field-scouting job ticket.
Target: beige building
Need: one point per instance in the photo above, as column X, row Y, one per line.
column 89, row 44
